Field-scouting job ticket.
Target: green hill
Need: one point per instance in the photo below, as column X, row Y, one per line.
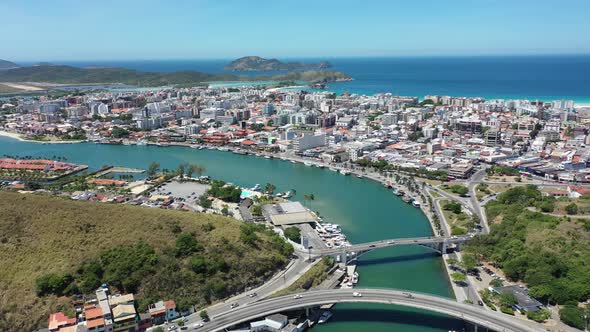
column 7, row 65
column 256, row 63
column 75, row 75
column 192, row 258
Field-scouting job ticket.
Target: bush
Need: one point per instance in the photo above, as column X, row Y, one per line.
column 248, row 234
column 459, row 189
column 53, row 283
column 124, row 266
column 186, row 244
column 571, row 209
column 572, row 316
column 293, row 233
column 539, row 316
column 507, row 310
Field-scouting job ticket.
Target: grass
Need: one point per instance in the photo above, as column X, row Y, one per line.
column 312, row 278
column 460, row 222
column 42, row 234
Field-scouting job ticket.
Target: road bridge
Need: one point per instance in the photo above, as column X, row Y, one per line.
column 474, row 314
column 439, row 244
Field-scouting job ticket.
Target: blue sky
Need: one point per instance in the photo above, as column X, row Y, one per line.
column 41, row 30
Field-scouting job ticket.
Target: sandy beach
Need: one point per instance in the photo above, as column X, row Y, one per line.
column 20, row 138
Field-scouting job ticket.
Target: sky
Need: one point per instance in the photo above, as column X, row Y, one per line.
column 41, row 30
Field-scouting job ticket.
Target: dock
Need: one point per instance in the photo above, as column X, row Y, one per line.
column 117, row 169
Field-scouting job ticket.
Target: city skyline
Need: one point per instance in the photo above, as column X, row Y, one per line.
column 230, row 29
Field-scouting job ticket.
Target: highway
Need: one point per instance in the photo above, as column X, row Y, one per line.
column 486, row 318
column 362, row 247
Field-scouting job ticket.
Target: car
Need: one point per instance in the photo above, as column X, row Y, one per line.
column 480, row 303
column 372, row 246
column 253, row 294
column 184, row 328
column 390, row 242
column 298, row 296
column 357, row 294
column 234, row 305
column 172, row 328
column 478, row 278
column 197, row 326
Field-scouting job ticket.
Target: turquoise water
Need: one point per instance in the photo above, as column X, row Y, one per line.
column 533, row 77
column 365, row 210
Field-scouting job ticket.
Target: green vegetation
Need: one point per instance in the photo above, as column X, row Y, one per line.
column 571, row 209
column 539, row 316
column 458, row 189
column 293, row 233
column 459, row 221
column 573, row 316
column 502, row 170
column 74, row 75
column 546, row 252
column 256, row 63
column 384, row 166
column 225, row 192
column 486, row 297
column 51, row 246
column 312, row 278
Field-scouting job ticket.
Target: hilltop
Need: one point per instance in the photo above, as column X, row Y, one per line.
column 74, row 75
column 192, row 258
column 7, row 65
column 256, row 63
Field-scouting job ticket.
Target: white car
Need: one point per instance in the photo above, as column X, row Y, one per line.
column 197, row 325
column 297, row 296
column 357, row 294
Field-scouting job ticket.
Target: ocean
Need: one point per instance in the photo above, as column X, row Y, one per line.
column 507, row 77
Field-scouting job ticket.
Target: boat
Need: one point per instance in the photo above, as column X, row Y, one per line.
column 293, row 162
column 288, row 194
column 307, row 163
column 266, row 157
column 141, row 143
column 359, row 176
column 333, row 169
column 343, row 172
column 415, row 203
column 326, row 315
column 407, row 199
column 321, row 166
column 256, row 187
column 399, row 192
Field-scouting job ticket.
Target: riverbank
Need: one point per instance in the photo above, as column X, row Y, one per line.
column 22, row 139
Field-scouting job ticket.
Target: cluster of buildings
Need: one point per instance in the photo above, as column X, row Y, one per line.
column 438, row 133
column 112, row 313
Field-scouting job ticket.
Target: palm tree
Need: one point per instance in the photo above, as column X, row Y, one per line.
column 269, row 188
column 309, row 197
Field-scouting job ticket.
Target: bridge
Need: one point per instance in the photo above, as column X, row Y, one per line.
column 439, row 244
column 477, row 315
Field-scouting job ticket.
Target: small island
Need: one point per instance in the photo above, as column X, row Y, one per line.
column 7, row 65
column 256, row 63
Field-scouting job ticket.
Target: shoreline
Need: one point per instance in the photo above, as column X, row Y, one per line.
column 19, row 137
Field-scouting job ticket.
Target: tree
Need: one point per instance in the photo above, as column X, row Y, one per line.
column 194, row 168
column 186, row 244
column 573, row 316
column 204, row 315
column 180, row 170
column 153, row 169
column 309, row 198
column 508, row 299
column 496, row 283
column 293, row 233
column 571, row 209
column 118, row 132
column 225, row 210
column 469, row 262
column 269, row 188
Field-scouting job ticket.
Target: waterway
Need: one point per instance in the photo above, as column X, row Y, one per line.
column 365, row 210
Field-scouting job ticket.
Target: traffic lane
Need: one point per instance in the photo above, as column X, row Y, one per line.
column 485, row 318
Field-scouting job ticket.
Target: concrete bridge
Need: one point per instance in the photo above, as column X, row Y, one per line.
column 439, row 244
column 474, row 314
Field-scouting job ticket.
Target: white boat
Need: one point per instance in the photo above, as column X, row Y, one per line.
column 256, row 187
column 321, row 166
column 307, row 163
column 359, row 176
column 343, row 172
column 141, row 143
column 333, row 169
column 326, row 315
column 415, row 203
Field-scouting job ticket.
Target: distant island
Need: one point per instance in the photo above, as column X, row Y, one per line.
column 256, row 63
column 4, row 65
column 74, row 75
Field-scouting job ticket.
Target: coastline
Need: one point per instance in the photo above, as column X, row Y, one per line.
column 19, row 137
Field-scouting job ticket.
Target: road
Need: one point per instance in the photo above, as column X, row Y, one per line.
column 474, row 314
column 363, row 247
column 293, row 272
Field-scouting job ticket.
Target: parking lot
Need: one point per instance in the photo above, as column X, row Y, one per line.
column 188, row 191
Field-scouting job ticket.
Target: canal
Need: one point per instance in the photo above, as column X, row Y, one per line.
column 364, row 209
